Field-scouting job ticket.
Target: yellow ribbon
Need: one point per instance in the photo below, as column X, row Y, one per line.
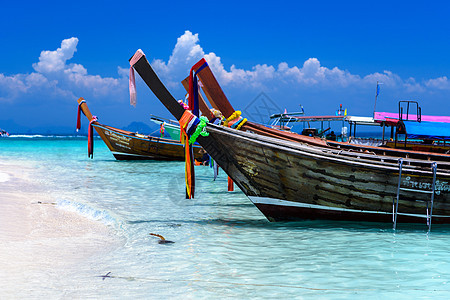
column 235, row 115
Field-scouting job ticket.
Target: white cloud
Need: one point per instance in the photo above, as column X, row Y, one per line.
column 12, row 83
column 311, row 74
column 56, row 75
column 75, row 69
column 440, row 83
column 53, row 76
column 54, row 61
column 187, row 52
column 123, row 72
column 12, row 87
column 305, row 82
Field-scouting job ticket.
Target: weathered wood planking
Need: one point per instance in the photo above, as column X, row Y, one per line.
column 263, row 167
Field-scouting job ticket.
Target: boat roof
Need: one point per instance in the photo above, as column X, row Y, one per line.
column 353, row 119
column 362, row 120
column 430, row 127
column 427, row 130
column 287, row 115
column 159, row 120
column 383, row 116
column 290, row 118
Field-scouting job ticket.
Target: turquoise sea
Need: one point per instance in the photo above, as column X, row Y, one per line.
column 223, row 248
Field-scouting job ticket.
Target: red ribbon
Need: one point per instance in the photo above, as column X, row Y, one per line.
column 91, row 137
column 79, row 115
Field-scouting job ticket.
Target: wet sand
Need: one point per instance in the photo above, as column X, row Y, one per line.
column 39, row 241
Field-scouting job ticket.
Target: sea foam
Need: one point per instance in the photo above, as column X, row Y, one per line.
column 33, row 136
column 88, row 212
column 4, row 177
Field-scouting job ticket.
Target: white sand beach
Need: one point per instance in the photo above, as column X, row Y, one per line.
column 39, row 241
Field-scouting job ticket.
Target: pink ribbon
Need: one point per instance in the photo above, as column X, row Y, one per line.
column 132, row 83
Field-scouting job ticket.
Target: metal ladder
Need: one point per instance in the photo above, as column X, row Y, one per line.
column 433, row 185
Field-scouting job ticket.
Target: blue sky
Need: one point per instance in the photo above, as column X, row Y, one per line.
column 316, row 53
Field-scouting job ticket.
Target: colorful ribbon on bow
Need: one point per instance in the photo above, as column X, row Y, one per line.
column 200, row 130
column 91, row 137
column 230, row 184
column 132, row 81
column 189, row 127
column 188, row 124
column 193, row 86
column 162, row 129
column 235, row 120
column 79, row 114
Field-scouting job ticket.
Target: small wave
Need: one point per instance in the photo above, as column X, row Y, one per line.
column 88, row 212
column 26, row 136
column 4, row 177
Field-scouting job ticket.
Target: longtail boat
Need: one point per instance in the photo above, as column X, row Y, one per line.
column 292, row 177
column 3, row 133
column 127, row 145
column 420, row 132
column 171, row 127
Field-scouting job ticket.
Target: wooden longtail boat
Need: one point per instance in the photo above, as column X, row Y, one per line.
column 419, row 131
column 3, row 133
column 169, row 126
column 291, row 177
column 126, row 145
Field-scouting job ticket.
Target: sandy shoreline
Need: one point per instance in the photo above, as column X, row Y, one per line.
column 39, row 241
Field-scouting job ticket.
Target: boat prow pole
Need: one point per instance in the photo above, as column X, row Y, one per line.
column 142, row 66
column 201, row 101
column 219, row 100
column 85, row 108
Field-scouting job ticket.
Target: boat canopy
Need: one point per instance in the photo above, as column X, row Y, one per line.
column 362, row 121
column 383, row 116
column 427, row 130
column 313, row 118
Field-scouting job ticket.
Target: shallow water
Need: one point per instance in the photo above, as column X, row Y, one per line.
column 223, row 246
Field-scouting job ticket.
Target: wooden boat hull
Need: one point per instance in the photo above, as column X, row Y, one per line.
column 292, row 181
column 126, row 145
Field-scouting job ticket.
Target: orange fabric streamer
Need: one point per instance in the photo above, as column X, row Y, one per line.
column 188, row 166
column 230, row 184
